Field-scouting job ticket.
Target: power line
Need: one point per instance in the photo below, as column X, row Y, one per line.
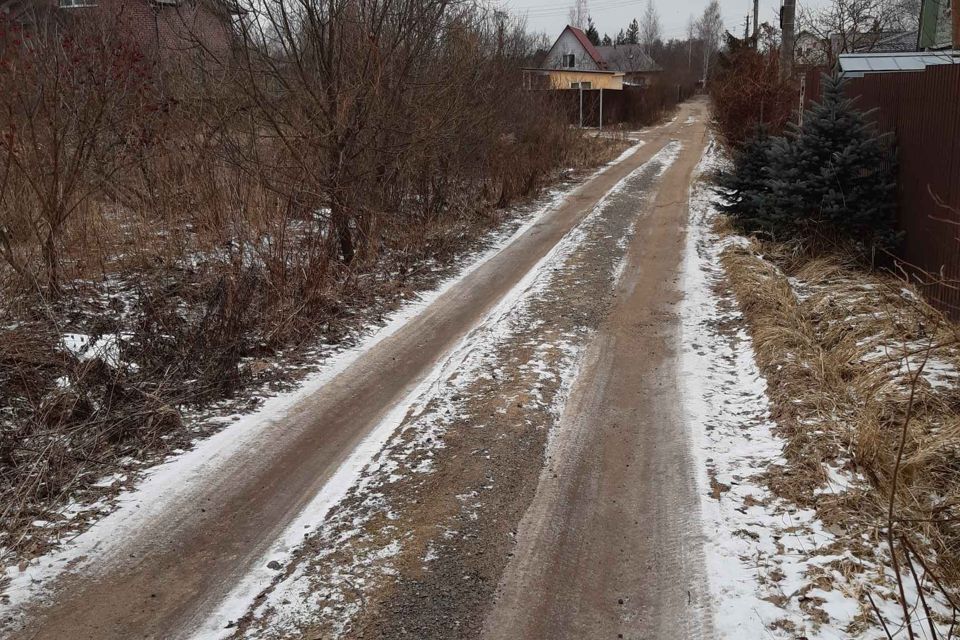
column 556, row 11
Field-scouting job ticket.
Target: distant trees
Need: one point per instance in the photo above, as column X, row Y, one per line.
column 681, row 58
column 633, row 33
column 650, row 31
column 709, row 30
column 856, row 25
column 578, row 14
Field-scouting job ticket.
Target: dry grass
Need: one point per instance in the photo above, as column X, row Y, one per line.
column 839, row 348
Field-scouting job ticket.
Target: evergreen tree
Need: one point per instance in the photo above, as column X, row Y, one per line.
column 633, row 33
column 591, row 32
column 834, row 173
column 621, row 38
column 832, row 176
column 606, row 40
column 744, row 187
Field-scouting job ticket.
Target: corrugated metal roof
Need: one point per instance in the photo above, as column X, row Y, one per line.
column 858, row 64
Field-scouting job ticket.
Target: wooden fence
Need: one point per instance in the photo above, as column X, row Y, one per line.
column 922, row 110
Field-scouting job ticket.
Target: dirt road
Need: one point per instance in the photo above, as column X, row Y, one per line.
column 610, row 546
column 598, row 512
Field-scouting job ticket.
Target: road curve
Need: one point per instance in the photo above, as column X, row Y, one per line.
column 166, row 579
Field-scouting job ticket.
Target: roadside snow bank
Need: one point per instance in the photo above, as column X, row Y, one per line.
column 758, row 551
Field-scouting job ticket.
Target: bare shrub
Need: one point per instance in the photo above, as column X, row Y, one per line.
column 746, row 91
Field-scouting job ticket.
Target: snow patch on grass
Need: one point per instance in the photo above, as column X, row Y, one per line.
column 769, row 570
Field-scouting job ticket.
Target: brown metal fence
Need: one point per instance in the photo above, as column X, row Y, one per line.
column 922, row 110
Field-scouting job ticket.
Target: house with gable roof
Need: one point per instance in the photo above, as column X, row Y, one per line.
column 573, row 62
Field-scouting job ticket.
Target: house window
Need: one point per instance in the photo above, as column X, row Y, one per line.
column 68, row 4
column 581, row 85
column 569, row 60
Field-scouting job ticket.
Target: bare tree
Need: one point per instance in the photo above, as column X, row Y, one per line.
column 650, row 30
column 75, row 109
column 847, row 26
column 577, row 17
column 709, row 30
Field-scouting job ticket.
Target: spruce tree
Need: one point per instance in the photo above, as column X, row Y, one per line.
column 744, row 187
column 606, row 40
column 835, row 173
column 633, row 32
column 834, row 176
column 592, row 34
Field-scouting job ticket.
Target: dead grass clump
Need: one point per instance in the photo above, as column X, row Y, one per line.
column 800, row 374
column 846, row 355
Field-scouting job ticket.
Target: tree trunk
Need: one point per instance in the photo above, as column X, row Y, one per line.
column 51, row 260
column 341, row 226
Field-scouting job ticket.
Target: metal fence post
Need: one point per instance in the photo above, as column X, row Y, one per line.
column 580, row 84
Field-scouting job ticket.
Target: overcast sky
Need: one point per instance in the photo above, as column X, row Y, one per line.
column 612, row 15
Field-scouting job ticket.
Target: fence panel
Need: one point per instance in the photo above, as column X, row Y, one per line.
column 922, row 109
column 636, row 106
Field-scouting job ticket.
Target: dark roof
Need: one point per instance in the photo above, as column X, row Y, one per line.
column 627, row 58
column 903, row 41
column 586, row 44
column 874, row 42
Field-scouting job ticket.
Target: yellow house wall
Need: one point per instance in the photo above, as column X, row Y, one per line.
column 561, row 79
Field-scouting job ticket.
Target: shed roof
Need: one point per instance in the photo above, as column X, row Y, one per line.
column 854, row 65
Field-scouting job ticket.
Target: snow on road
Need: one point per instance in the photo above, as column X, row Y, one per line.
column 291, row 603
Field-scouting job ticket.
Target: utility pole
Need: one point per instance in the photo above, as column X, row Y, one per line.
column 756, row 23
column 787, row 19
